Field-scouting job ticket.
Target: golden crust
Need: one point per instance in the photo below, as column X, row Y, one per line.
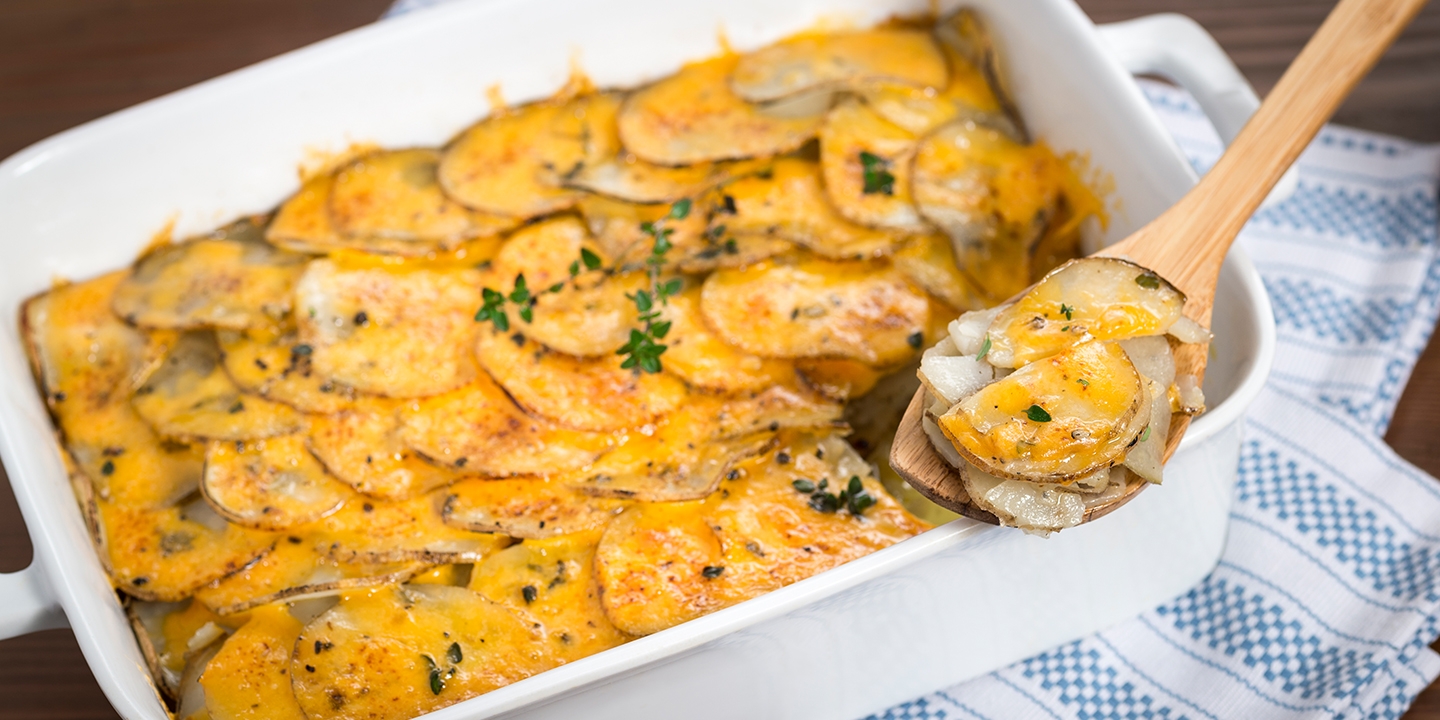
column 190, row 396
column 851, row 131
column 530, row 508
column 362, row 447
column 252, row 669
column 294, row 570
column 811, row 61
column 271, row 484
column 790, row 203
column 268, row 361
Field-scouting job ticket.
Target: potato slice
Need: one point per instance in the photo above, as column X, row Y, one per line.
column 991, row 196
column 852, row 134
column 166, row 554
column 592, row 321
column 297, row 569
column 407, row 650
column 1042, row 424
column 1101, row 298
column 506, row 163
column 693, row 116
column 775, row 408
column 734, row 250
column 1033, row 507
column 838, row 378
column 627, row 178
column 362, row 447
column 662, row 564
column 968, row 43
column 252, row 670
column 929, row 262
column 684, row 457
column 531, row 508
column 479, row 429
column 271, row 363
column 382, row 531
column 190, row 396
column 87, row 362
column 584, row 394
column 811, row 61
column 393, row 197
column 396, row 332
column 164, row 631
column 302, row 223
column 272, row 484
column 616, row 228
column 700, row 358
column 233, row 279
column 789, row 203
column 553, row 581
column 817, row 308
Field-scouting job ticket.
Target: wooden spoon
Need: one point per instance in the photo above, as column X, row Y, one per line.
column 1187, row 244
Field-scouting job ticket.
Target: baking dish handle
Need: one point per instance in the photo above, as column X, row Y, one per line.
column 1178, row 49
column 26, row 603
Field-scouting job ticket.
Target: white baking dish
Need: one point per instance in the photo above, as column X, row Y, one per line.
column 950, row 604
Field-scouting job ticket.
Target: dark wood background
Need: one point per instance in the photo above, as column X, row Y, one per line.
column 63, row 62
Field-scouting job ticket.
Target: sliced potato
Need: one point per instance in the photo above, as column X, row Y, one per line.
column 662, row 564
column 166, row 554
column 404, row 332
column 297, row 568
column 592, row 321
column 817, row 308
column 190, row 396
column 269, row 362
column 553, row 581
column 250, row 676
column 775, row 408
column 394, row 197
column 838, row 378
column 929, row 261
column 693, row 116
column 87, row 362
column 382, row 531
column 1043, row 424
column 630, row 179
column 856, row 145
column 404, row 651
column 683, row 457
column 545, row 251
column 972, row 52
column 235, row 280
column 616, row 227
column 810, row 61
column 479, row 429
column 718, row 250
column 584, row 394
column 164, row 630
column 1034, row 507
column 271, row 484
column 789, row 203
column 530, row 508
column 506, row 163
column 302, row 223
column 362, row 447
column 1102, row 298
column 993, row 197
column 700, row 358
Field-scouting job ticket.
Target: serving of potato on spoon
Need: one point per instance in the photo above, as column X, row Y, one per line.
column 1061, row 404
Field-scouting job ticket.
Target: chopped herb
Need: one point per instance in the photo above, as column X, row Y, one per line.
column 984, row 349
column 712, row 571
column 916, row 339
column 1065, row 329
column 1145, row 435
column 437, row 681
column 803, row 485
column 728, row 205
column 301, row 350
column 239, row 406
column 856, row 499
column 591, row 260
column 1067, row 311
column 108, row 468
column 1083, row 382
column 782, row 457
column 731, row 248
column 1149, row 281
column 680, row 209
column 876, row 174
column 529, row 593
column 643, row 350
column 454, row 653
column 824, row 502
column 493, row 310
column 1037, row 414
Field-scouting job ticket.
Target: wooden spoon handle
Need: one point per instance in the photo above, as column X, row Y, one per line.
column 1187, row 243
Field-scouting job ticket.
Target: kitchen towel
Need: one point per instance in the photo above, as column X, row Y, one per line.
column 1328, row 593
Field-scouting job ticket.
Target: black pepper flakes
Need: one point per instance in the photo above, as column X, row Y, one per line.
column 712, row 571
column 529, row 593
column 916, row 339
column 361, row 318
column 782, row 457
column 108, row 468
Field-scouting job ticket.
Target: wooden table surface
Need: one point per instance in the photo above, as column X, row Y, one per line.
column 63, row 62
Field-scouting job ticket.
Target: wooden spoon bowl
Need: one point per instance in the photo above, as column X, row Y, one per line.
column 1187, row 243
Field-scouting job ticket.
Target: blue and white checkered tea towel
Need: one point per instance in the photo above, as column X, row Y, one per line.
column 1328, row 593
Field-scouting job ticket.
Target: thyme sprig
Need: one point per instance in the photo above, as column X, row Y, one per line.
column 644, row 349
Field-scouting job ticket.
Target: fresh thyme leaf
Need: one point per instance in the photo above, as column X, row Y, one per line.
column 521, row 294
column 643, row 301
column 876, row 174
column 1083, row 382
column 574, row 268
column 591, row 260
column 1037, row 414
column 454, row 653
column 1067, row 311
column 557, row 287
column 671, row 287
column 660, row 330
column 712, row 571
column 680, row 209
column 1149, row 281
column 301, row 350
column 984, row 349
column 527, row 313
column 803, row 485
column 437, row 681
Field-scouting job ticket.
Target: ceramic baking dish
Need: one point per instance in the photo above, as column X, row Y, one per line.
column 952, row 603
